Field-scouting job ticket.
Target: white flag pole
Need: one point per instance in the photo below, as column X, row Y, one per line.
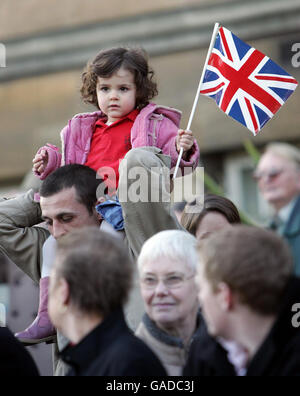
column 211, row 47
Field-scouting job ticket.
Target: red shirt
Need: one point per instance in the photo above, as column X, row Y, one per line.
column 109, row 145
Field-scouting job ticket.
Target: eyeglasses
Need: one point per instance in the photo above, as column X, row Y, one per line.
column 272, row 175
column 170, row 282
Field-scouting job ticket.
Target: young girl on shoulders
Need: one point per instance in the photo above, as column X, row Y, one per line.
column 119, row 83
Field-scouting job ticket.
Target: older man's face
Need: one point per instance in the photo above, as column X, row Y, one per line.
column 63, row 213
column 278, row 180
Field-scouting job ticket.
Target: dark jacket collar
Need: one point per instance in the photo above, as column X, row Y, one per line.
column 164, row 337
column 281, row 333
column 80, row 356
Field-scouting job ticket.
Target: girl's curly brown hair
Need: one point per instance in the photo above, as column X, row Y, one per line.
column 107, row 62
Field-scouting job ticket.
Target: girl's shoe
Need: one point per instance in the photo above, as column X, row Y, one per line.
column 41, row 330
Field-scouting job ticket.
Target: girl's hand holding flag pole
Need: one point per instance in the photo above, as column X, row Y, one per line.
column 213, row 40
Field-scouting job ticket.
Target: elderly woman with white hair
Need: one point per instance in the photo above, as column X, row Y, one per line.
column 167, row 268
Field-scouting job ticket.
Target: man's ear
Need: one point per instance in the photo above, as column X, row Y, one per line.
column 298, row 180
column 98, row 215
column 225, row 297
column 64, row 291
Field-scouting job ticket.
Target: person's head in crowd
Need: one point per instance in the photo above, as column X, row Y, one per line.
column 88, row 285
column 178, row 208
column 167, row 269
column 243, row 273
column 68, row 199
column 217, row 213
column 278, row 174
column 130, row 64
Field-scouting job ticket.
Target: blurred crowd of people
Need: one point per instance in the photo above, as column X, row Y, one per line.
column 202, row 296
column 126, row 287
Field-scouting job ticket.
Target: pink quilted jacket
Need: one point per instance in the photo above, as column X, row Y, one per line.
column 154, row 126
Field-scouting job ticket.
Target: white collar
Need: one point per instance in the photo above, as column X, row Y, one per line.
column 285, row 213
column 237, row 356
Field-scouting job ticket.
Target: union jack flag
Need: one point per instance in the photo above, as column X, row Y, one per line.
column 246, row 84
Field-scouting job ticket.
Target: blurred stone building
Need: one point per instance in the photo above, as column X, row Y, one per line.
column 48, row 42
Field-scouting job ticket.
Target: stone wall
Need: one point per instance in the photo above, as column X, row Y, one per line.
column 40, row 85
column 19, row 17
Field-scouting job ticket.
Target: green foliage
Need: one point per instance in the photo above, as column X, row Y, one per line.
column 252, row 151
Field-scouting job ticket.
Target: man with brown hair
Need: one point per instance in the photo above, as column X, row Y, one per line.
column 247, row 294
column 87, row 294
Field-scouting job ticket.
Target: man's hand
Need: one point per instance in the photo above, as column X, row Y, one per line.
column 185, row 140
column 40, row 162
